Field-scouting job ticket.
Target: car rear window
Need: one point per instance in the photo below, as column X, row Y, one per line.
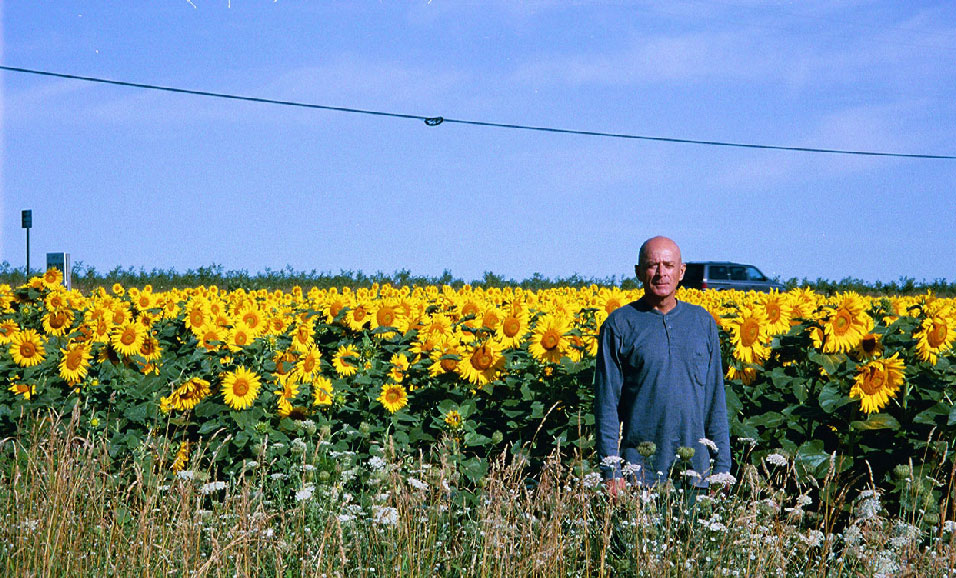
column 718, row 273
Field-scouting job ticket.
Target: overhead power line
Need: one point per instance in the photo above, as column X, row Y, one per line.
column 437, row 120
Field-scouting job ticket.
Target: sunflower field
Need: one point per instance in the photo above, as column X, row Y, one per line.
column 848, row 385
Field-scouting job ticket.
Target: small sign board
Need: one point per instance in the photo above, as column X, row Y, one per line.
column 26, row 218
column 62, row 262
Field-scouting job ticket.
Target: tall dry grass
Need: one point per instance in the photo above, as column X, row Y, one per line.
column 69, row 509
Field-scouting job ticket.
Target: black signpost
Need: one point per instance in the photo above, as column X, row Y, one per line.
column 26, row 219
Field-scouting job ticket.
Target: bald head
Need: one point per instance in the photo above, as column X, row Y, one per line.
column 660, row 269
column 656, row 244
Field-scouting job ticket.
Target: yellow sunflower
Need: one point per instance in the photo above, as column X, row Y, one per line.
column 322, row 391
column 481, row 364
column 445, row 356
column 869, row 347
column 746, row 375
column 399, row 366
column 26, row 348
column 240, row 388
column 386, row 315
column 393, row 397
column 186, row 396
column 197, row 314
column 776, row 309
column 150, row 350
column 182, row 457
column 285, row 364
column 346, row 361
column 239, row 337
column 211, row 336
column 335, row 305
column 549, row 342
column 303, row 334
column 252, row 320
column 512, row 328
column 288, row 390
column 75, row 363
column 8, row 328
column 749, row 335
column 936, row 335
column 22, row 389
column 453, row 419
column 878, row 381
column 435, row 325
column 308, row 363
column 53, row 278
column 357, row 316
column 127, row 339
column 846, row 325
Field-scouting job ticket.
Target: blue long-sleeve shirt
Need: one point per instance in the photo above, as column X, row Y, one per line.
column 660, row 375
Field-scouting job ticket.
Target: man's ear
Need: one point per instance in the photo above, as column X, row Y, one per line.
column 637, row 271
column 683, row 268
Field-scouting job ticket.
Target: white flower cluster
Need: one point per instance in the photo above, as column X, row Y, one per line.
column 417, row 484
column 708, row 444
column 212, row 487
column 305, row 493
column 631, row 469
column 611, row 461
column 591, row 480
column 384, row 515
column 869, row 506
column 776, row 459
column 375, row 463
column 724, row 478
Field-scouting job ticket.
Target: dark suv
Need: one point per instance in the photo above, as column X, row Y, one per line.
column 727, row 275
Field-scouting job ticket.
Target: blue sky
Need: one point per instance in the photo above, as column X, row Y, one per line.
column 127, row 177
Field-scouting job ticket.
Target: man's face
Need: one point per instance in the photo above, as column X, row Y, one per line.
column 660, row 269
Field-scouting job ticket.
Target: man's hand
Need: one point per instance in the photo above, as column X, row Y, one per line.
column 615, row 486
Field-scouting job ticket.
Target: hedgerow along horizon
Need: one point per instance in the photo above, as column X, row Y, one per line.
column 86, row 278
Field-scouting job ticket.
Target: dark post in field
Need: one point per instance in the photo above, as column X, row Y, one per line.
column 26, row 220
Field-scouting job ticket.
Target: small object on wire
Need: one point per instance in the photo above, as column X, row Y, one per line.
column 434, row 121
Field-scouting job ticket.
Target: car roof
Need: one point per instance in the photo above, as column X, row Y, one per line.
column 716, row 263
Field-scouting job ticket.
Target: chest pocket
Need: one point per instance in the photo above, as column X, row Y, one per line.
column 696, row 359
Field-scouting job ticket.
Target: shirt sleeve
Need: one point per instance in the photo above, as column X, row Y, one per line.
column 608, row 381
column 717, row 426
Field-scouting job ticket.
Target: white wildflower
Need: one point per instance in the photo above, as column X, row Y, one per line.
column 591, row 480
column 611, row 461
column 212, row 487
column 376, row 463
column 812, row 538
column 250, row 464
column 185, row 474
column 776, row 459
column 690, row 474
column 305, row 493
column 384, row 515
column 417, row 484
column 725, row 478
column 869, row 506
column 631, row 469
column 708, row 444
column 949, row 527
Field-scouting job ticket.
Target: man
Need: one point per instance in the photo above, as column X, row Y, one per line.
column 659, row 374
